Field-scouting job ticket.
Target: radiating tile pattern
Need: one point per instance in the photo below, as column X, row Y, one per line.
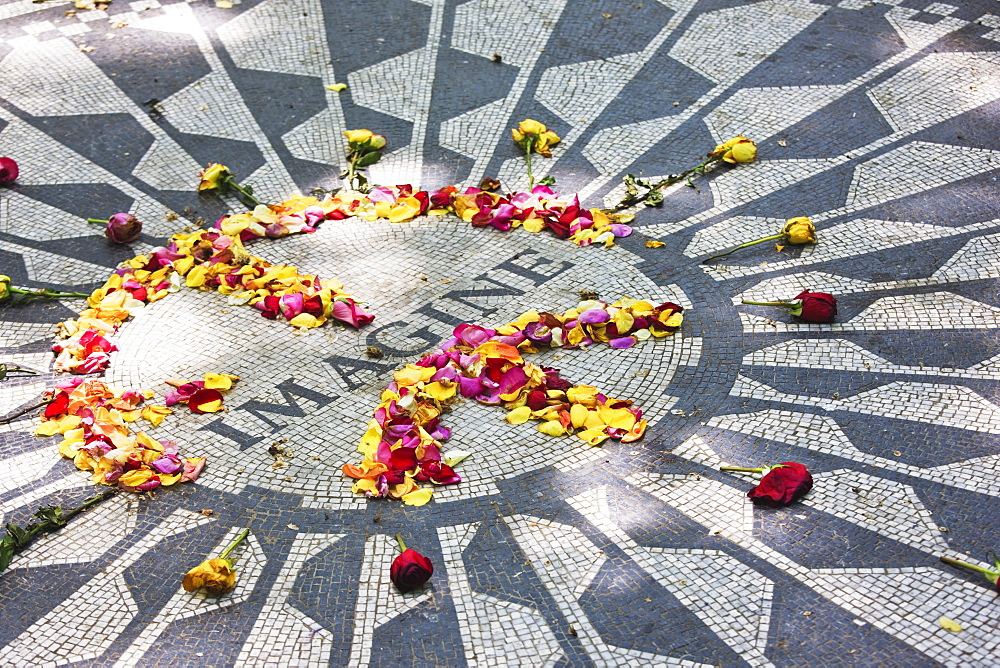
column 879, row 120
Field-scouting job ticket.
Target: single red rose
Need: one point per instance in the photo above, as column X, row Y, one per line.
column 410, row 570
column 817, row 306
column 784, row 484
column 8, row 170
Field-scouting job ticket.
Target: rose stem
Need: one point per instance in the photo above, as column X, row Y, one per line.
column 741, row 468
column 784, row 304
column 964, row 564
column 232, row 546
column 529, row 148
column 402, row 545
column 749, row 243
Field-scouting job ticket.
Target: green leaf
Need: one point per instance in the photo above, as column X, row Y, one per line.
column 368, row 159
column 654, row 198
column 248, row 189
column 3, row 371
column 548, row 181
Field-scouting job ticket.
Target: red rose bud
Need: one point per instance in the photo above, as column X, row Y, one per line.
column 815, row 306
column 784, row 484
column 123, row 228
column 810, row 306
column 8, row 170
column 410, row 570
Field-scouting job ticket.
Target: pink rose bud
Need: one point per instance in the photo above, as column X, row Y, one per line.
column 123, row 228
column 8, row 170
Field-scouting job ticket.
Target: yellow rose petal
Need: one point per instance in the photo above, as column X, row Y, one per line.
column 655, row 244
column 593, row 436
column 519, row 415
column 418, row 497
column 441, row 390
column 217, row 381
column 552, row 428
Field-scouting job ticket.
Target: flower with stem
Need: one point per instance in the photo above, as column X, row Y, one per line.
column 52, row 519
column 782, row 484
column 992, row 576
column 216, row 576
column 14, row 370
column 121, row 228
column 12, row 295
column 409, row 569
column 534, row 137
column 218, row 177
column 796, row 231
column 738, row 150
column 819, row 307
column 364, row 148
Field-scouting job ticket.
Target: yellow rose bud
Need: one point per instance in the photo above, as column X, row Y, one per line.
column 742, row 150
column 212, row 175
column 215, row 576
column 4, row 287
column 358, row 136
column 531, row 127
column 799, row 231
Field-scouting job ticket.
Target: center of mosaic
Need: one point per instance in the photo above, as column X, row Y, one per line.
column 308, row 394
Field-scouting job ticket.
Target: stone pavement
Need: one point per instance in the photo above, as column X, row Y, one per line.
column 879, row 120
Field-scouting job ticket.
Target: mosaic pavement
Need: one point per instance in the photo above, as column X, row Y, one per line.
column 877, row 119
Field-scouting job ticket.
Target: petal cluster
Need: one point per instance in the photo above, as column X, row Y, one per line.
column 403, row 443
column 94, row 420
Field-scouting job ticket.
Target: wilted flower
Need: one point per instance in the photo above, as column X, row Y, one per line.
column 8, row 170
column 364, row 148
column 534, row 136
column 819, row 307
column 410, row 569
column 17, row 295
column 215, row 576
column 737, row 150
column 212, row 176
column 795, row 231
column 799, row 231
column 121, row 228
column 218, row 177
column 781, row 485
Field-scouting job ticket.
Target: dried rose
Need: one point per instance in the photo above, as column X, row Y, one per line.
column 781, row 485
column 121, row 228
column 215, row 576
column 410, row 569
column 737, row 150
column 796, row 231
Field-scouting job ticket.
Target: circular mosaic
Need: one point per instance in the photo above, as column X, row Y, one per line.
column 311, row 390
